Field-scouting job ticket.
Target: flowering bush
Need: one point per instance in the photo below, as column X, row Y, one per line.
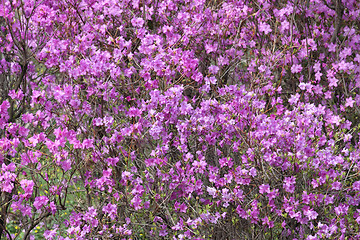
column 179, row 119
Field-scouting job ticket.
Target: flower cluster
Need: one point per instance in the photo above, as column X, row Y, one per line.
column 176, row 119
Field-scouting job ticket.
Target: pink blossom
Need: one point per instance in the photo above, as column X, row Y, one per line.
column 40, row 202
column 136, row 202
column 349, row 102
column 356, row 186
column 289, row 184
column 296, row 68
column 49, row 234
column 134, row 112
column 265, row 28
column 264, row 188
column 212, row 191
column 211, row 48
column 28, row 186
column 111, row 210
column 213, row 69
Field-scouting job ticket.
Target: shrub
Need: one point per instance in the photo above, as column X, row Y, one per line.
column 179, row 119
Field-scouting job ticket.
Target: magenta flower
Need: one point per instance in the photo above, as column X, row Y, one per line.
column 266, row 221
column 341, row 209
column 53, row 208
column 4, row 107
column 49, row 234
column 310, row 213
column 137, row 22
column 253, row 172
column 265, row 28
column 40, row 202
column 163, row 233
column 336, row 185
column 264, row 188
column 349, row 102
column 329, row 200
column 356, row 186
column 28, row 186
column 183, row 208
column 179, row 225
column 296, row 68
column 213, row 69
column 136, row 202
column 134, row 112
column 289, row 184
column 7, row 177
column 212, row 191
column 16, row 95
column 211, row 48
column 200, row 166
column 110, row 209
column 98, row 122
